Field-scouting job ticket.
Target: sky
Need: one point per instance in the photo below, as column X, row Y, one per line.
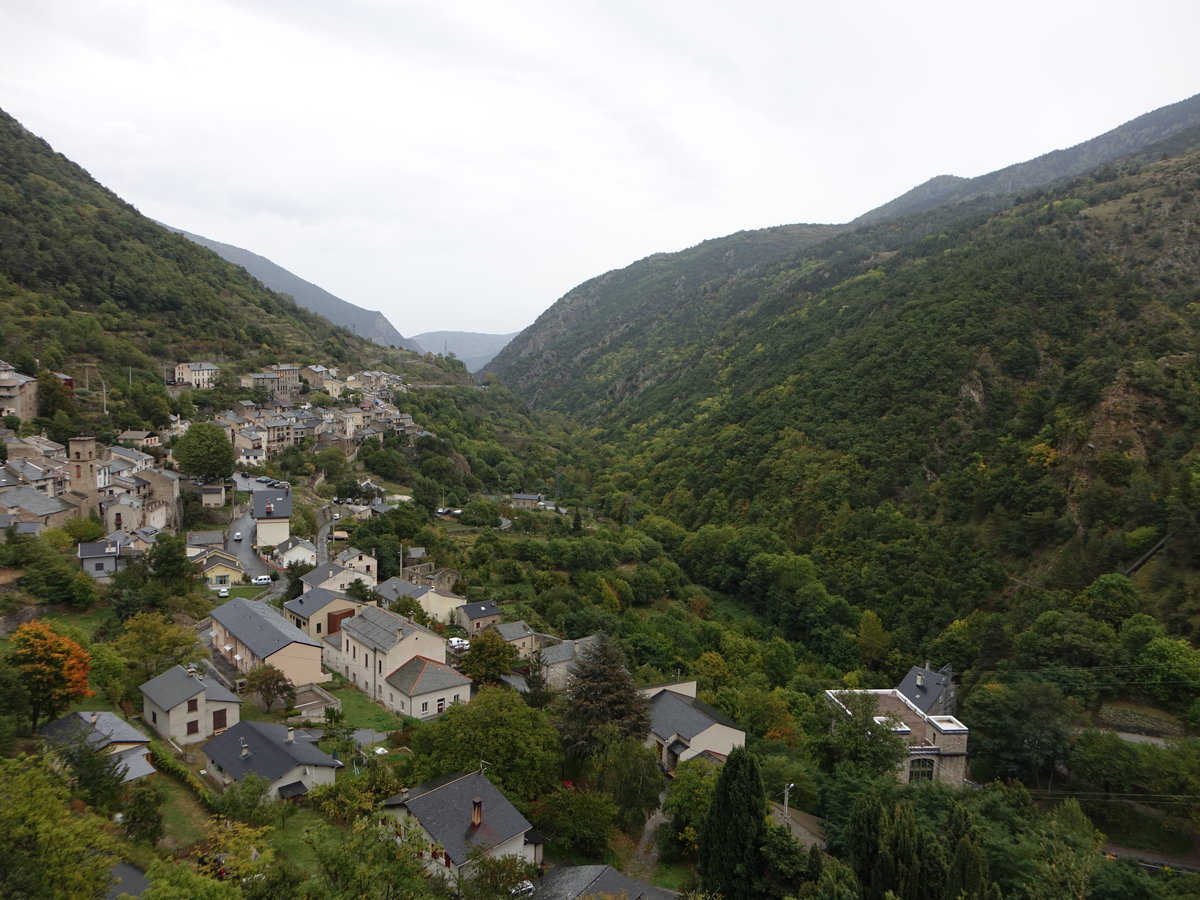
column 460, row 165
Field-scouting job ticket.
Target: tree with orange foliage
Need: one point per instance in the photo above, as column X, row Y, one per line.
column 53, row 668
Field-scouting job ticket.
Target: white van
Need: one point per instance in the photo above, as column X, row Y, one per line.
column 237, row 535
column 261, row 579
column 458, row 645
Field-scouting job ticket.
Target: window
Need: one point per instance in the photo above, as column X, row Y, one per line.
column 154, row 717
column 193, row 704
column 318, row 628
column 425, row 706
column 193, row 727
column 219, row 719
column 99, row 567
column 380, row 661
column 920, row 770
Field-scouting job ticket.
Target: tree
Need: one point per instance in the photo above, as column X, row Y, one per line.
column 490, row 657
column 731, row 841
column 169, row 563
column 538, row 693
column 153, row 643
column 270, row 684
column 245, row 800
column 579, row 820
column 53, row 668
column 1020, row 729
column 688, row 798
column 97, row 776
column 492, row 878
column 858, row 739
column 497, row 726
column 627, row 771
column 111, row 673
column 205, row 452
column 373, row 860
column 601, row 692
column 143, row 811
column 48, row 850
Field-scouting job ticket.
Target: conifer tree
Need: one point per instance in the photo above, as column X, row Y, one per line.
column 731, row 840
column 601, row 692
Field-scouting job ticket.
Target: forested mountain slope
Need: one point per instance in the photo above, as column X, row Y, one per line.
column 939, row 410
column 645, row 308
column 475, row 349
column 368, row 323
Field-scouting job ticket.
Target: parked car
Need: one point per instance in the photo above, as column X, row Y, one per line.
column 237, row 535
column 263, row 479
column 223, row 592
column 261, row 579
column 336, row 516
column 458, row 645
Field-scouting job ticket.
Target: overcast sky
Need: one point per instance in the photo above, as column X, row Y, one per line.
column 461, row 165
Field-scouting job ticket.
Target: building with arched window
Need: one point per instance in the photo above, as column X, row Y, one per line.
column 937, row 744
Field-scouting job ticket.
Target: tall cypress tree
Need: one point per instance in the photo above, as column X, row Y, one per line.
column 731, row 840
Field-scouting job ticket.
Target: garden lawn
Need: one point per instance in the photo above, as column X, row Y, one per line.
column 184, row 817
column 361, row 712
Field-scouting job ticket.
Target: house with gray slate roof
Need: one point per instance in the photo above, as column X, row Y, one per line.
column 186, row 708
column 423, row 688
column 272, row 512
column 520, row 635
column 377, row 642
column 464, row 814
column 104, row 732
column 474, row 617
column 320, row 613
column 292, row 766
column 560, row 660
column 682, row 727
column 248, row 634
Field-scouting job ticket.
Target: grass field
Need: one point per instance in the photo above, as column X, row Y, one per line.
column 183, row 816
column 361, row 712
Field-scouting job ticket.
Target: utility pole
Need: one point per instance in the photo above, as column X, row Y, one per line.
column 787, row 821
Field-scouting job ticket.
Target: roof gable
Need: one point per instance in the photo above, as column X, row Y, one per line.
column 443, row 807
column 259, row 626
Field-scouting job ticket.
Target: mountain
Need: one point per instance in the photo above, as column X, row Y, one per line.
column 370, row 324
column 474, row 349
column 981, row 404
column 665, row 295
column 1125, row 140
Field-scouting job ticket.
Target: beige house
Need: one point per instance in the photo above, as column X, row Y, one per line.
column 197, row 375
column 519, row 635
column 682, row 727
column 18, row 393
column 320, row 613
column 272, row 512
column 376, row 643
column 423, row 688
column 464, row 817
column 184, row 707
column 248, row 634
column 937, row 744
column 333, row 577
column 364, row 563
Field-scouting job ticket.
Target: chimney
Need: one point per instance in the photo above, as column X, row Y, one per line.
column 476, row 812
column 920, row 679
column 245, row 751
column 291, row 735
column 94, row 718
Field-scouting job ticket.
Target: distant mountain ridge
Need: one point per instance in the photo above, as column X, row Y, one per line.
column 474, row 348
column 1151, row 128
column 371, row 324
